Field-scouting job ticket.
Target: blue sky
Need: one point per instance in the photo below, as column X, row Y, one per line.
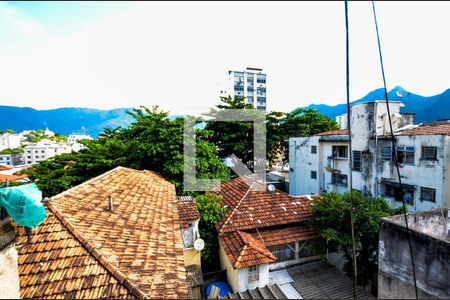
column 116, row 54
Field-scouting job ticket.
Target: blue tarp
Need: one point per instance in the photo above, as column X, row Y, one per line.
column 23, row 204
column 224, row 288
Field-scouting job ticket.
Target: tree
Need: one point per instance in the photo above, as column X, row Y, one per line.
column 7, row 131
column 331, row 219
column 298, row 123
column 232, row 137
column 211, row 212
column 152, row 142
column 237, row 137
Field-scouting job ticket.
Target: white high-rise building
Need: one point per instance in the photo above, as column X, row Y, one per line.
column 250, row 83
column 342, row 121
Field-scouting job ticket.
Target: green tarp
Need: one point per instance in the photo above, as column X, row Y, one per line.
column 23, row 204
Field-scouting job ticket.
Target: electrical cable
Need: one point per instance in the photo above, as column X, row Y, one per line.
column 395, row 152
column 355, row 273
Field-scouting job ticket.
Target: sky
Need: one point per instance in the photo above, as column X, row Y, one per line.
column 115, row 54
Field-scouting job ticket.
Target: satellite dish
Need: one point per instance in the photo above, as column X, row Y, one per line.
column 199, row 244
column 271, row 188
column 399, row 94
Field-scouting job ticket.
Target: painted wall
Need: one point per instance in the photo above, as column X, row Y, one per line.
column 238, row 278
column 9, row 273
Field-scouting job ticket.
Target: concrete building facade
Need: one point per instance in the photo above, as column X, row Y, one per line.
column 429, row 232
column 250, row 83
column 9, row 140
column 320, row 163
column 44, row 150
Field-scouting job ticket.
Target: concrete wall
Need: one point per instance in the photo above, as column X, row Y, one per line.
column 431, row 256
column 446, row 172
column 9, row 273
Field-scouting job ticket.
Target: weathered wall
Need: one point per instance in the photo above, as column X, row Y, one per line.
column 446, row 172
column 191, row 257
column 431, row 257
column 232, row 274
column 9, row 273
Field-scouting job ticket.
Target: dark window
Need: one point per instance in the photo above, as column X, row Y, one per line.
column 339, row 179
column 313, row 174
column 238, row 88
column 283, row 252
column 429, row 153
column 427, row 194
column 405, row 155
column 386, row 153
column 396, row 193
column 340, row 151
column 356, row 165
column 261, row 99
column 313, row 149
column 261, row 80
column 249, row 89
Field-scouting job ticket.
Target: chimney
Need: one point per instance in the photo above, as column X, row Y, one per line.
column 111, row 208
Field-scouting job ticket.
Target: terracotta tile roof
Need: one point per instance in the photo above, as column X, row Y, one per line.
column 55, row 264
column 4, row 168
column 140, row 237
column 284, row 235
column 187, row 210
column 248, row 209
column 334, row 132
column 243, row 250
column 12, row 178
column 431, row 129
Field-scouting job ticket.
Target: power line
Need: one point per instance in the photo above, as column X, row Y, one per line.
column 395, row 151
column 355, row 273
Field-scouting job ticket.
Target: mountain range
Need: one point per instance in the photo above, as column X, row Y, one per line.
column 93, row 121
column 426, row 109
column 63, row 120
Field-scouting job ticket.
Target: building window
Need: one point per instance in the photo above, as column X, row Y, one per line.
column 340, row 151
column 386, row 153
column 339, row 179
column 313, row 174
column 313, row 149
column 405, row 155
column 261, row 90
column 249, row 89
column 356, row 164
column 239, row 88
column 253, row 273
column 261, row 99
column 283, row 252
column 429, row 153
column 188, row 236
column 250, row 99
column 393, row 190
column 427, row 194
column 261, row 80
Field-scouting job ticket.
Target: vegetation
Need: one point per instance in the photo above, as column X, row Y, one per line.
column 211, row 213
column 13, row 151
column 152, row 142
column 7, row 131
column 331, row 219
column 37, row 135
column 237, row 137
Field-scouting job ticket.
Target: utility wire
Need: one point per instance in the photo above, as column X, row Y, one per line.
column 395, row 151
column 355, row 273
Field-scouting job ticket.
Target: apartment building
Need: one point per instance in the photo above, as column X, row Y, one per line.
column 250, row 83
column 9, row 140
column 74, row 141
column 320, row 163
column 342, row 121
column 43, row 150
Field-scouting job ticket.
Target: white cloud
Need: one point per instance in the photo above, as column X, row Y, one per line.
column 175, row 54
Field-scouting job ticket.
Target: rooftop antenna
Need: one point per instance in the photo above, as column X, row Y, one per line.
column 111, row 208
